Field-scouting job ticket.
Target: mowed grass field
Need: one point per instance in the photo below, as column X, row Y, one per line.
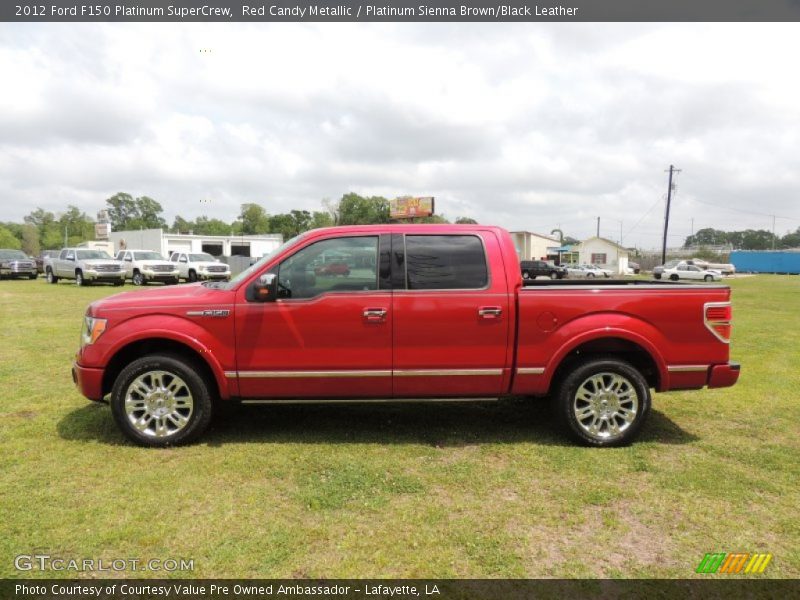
column 444, row 491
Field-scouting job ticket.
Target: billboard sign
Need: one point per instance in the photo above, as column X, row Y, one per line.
column 408, row 207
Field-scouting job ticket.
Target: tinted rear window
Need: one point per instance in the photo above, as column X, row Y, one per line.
column 445, row 262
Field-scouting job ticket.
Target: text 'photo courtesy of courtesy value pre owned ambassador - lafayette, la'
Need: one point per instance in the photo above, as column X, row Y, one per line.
column 401, row 312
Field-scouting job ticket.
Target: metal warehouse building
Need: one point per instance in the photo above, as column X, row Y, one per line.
column 252, row 246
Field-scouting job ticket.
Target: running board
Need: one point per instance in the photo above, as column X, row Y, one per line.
column 366, row 400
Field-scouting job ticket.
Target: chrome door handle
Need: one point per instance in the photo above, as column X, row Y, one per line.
column 490, row 312
column 375, row 314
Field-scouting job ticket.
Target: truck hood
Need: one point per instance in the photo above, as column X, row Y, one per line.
column 206, row 263
column 97, row 262
column 158, row 263
column 194, row 295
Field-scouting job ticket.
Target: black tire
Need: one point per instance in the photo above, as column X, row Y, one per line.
column 119, row 283
column 176, row 373
column 674, row 277
column 656, row 275
column 624, row 393
column 526, row 275
column 192, row 276
column 50, row 277
column 590, row 275
column 553, row 275
column 33, row 275
column 137, row 278
column 708, row 278
column 79, row 280
column 175, row 281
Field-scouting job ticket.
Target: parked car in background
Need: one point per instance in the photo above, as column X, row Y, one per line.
column 683, row 270
column 724, row 268
column 333, row 269
column 85, row 267
column 45, row 254
column 585, row 271
column 15, row 263
column 531, row 269
column 194, row 266
column 659, row 270
column 604, row 271
column 633, row 268
column 144, row 266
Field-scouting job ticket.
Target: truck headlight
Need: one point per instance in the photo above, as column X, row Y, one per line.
column 92, row 329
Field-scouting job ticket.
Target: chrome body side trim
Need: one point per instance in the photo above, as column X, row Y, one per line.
column 363, row 400
column 687, row 368
column 310, row 374
column 530, row 370
column 446, row 372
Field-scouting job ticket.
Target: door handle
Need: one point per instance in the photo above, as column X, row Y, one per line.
column 490, row 312
column 375, row 315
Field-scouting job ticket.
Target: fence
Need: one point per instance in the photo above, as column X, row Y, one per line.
column 766, row 262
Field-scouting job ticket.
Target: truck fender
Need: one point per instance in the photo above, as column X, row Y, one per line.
column 601, row 326
column 181, row 331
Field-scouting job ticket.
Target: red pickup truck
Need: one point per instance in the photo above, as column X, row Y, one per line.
column 428, row 312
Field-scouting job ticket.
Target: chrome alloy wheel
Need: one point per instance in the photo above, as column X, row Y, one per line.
column 605, row 405
column 158, row 404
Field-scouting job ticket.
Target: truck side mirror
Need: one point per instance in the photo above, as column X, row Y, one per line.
column 266, row 288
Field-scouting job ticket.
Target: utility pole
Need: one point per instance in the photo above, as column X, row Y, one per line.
column 598, row 226
column 773, row 232
column 672, row 170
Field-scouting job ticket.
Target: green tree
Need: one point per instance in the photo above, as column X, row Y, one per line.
column 181, row 225
column 76, row 225
column 706, row 237
column 149, row 213
column 791, row 240
column 30, row 240
column 205, row 226
column 127, row 213
column 358, row 210
column 253, row 220
column 321, row 219
column 9, row 240
column 466, row 221
column 47, row 228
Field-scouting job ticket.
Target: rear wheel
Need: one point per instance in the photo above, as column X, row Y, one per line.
column 603, row 402
column 708, row 278
column 161, row 400
column 590, row 275
column 50, row 277
column 674, row 277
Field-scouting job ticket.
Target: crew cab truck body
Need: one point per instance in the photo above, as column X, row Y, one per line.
column 85, row 266
column 427, row 312
column 144, row 266
column 199, row 267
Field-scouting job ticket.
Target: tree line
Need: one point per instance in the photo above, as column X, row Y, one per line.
column 45, row 230
column 749, row 239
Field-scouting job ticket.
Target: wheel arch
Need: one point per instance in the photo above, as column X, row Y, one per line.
column 201, row 358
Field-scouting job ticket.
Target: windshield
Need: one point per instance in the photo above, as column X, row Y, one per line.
column 89, row 254
column 12, row 254
column 147, row 256
column 264, row 259
column 202, row 257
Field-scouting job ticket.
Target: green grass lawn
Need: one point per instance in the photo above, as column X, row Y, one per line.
column 445, row 491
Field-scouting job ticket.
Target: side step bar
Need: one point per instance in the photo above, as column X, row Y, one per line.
column 365, row 400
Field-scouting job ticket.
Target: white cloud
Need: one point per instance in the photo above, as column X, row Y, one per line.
column 527, row 126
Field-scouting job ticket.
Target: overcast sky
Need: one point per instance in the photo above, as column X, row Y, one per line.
column 528, row 126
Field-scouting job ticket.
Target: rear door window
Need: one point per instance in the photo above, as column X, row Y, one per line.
column 445, row 262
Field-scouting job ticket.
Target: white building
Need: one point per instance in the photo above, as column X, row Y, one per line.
column 604, row 253
column 253, row 246
column 535, row 246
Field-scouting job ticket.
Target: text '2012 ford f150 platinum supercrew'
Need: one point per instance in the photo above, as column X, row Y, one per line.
column 426, row 312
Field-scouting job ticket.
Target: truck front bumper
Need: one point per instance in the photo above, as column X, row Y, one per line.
column 89, row 381
column 723, row 375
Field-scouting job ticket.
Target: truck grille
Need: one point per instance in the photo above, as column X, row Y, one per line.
column 163, row 268
column 217, row 269
column 108, row 268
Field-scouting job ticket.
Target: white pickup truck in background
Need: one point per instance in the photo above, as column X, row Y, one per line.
column 194, row 266
column 144, row 266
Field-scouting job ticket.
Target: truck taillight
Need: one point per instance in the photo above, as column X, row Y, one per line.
column 717, row 317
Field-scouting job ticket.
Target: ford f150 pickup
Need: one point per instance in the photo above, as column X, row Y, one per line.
column 428, row 312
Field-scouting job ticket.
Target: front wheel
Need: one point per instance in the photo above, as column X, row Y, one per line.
column 79, row 280
column 50, row 277
column 674, row 277
column 138, row 278
column 192, row 276
column 526, row 275
column 603, row 402
column 553, row 275
column 161, row 400
column 33, row 276
column 590, row 275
